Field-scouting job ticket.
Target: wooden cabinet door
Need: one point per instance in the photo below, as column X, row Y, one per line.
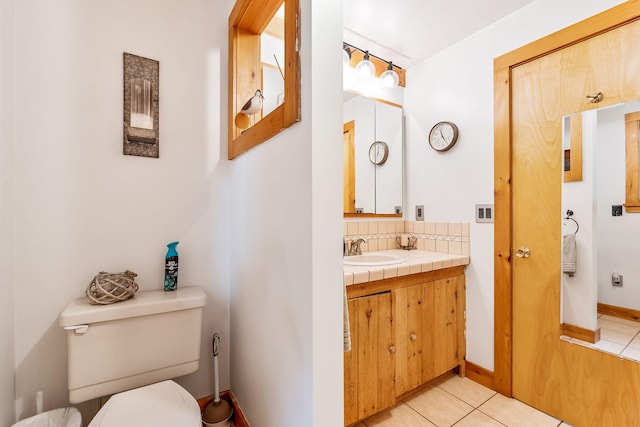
column 443, row 320
column 429, row 330
column 370, row 366
column 409, row 337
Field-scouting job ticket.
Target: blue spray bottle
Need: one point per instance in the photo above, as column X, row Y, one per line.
column 171, row 268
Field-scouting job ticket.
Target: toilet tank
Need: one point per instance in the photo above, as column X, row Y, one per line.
column 151, row 337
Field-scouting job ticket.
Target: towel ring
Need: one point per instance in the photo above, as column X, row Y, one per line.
column 569, row 215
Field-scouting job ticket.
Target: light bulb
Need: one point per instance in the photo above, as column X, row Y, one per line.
column 389, row 78
column 346, row 56
column 365, row 70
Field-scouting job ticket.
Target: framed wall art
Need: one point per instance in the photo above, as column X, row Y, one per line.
column 141, row 106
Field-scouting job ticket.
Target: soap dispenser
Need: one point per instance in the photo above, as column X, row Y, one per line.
column 171, row 268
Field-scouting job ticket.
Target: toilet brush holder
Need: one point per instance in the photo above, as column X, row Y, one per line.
column 218, row 412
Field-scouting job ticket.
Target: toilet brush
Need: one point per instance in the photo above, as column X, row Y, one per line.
column 218, row 411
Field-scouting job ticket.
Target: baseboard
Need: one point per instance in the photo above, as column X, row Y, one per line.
column 620, row 312
column 580, row 333
column 480, row 375
column 238, row 417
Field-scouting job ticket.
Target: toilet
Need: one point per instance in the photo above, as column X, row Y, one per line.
column 131, row 350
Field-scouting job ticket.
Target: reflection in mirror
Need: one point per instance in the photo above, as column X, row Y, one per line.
column 272, row 58
column 372, row 188
column 601, row 297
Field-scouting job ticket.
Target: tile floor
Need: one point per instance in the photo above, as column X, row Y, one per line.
column 617, row 336
column 460, row 402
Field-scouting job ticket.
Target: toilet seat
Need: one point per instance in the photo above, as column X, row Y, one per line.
column 163, row 404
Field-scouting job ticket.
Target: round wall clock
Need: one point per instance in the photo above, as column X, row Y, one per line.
column 443, row 136
column 378, row 152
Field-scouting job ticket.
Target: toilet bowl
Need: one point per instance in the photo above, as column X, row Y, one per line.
column 63, row 417
column 163, row 404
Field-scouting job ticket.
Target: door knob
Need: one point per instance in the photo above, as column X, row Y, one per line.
column 392, row 349
column 413, row 337
column 523, row 252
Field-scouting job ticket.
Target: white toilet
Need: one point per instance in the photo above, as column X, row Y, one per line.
column 130, row 349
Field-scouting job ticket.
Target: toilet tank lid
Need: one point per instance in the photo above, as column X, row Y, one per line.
column 144, row 303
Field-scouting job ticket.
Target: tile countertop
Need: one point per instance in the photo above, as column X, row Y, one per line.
column 416, row 262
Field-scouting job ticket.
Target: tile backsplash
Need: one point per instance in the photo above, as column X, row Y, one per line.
column 444, row 237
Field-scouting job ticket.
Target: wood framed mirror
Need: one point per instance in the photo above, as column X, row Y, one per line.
column 249, row 19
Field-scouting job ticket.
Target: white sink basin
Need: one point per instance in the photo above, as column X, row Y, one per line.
column 373, row 259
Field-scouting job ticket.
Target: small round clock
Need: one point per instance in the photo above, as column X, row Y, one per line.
column 443, row 136
column 378, row 152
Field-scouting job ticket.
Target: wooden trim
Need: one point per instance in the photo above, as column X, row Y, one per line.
column 385, row 285
column 238, row 416
column 371, row 215
column 575, row 161
column 480, row 375
column 503, row 291
column 620, row 312
column 580, row 333
column 590, row 27
column 632, row 190
column 349, row 167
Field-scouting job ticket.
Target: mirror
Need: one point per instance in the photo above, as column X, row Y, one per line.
column 602, row 298
column 249, row 123
column 372, row 188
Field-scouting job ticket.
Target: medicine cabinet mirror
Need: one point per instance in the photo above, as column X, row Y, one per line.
column 369, row 188
column 263, row 56
column 606, row 232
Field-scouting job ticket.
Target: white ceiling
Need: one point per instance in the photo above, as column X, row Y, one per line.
column 408, row 31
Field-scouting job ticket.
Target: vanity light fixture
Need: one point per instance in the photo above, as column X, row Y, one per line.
column 366, row 69
column 389, row 78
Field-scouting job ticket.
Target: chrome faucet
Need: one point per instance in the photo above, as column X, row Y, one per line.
column 353, row 248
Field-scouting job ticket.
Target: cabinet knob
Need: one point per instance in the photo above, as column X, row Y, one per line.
column 392, row 349
column 413, row 337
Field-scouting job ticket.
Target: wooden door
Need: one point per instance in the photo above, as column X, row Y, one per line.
column 370, row 366
column 570, row 382
column 349, row 155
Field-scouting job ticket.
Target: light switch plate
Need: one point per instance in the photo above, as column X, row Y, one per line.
column 419, row 212
column 485, row 212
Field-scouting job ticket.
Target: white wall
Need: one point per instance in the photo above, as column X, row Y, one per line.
column 618, row 237
column 81, row 206
column 457, row 84
column 286, row 261
column 579, row 292
column 6, row 212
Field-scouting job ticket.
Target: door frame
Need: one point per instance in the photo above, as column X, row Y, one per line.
column 503, row 231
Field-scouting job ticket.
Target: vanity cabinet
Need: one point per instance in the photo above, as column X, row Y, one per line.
column 405, row 332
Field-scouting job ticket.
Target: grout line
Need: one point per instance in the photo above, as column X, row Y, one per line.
column 457, row 422
column 464, row 401
column 629, row 343
column 417, row 412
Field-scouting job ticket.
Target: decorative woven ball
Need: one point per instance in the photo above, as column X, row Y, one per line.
column 107, row 288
